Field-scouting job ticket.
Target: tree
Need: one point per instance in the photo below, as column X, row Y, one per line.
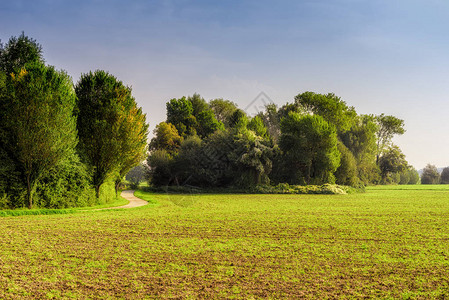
column 251, row 158
column 223, row 110
column 137, row 175
column 391, row 162
column 445, row 176
column 387, row 127
column 309, row 144
column 198, row 104
column 161, row 164
column 18, row 52
column 238, row 120
column 346, row 173
column 207, row 123
column 180, row 114
column 413, row 175
column 330, row 107
column 112, row 130
column 430, row 175
column 166, row 137
column 360, row 139
column 258, row 127
column 39, row 128
column 133, row 134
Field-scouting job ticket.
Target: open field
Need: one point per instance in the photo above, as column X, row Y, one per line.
column 388, row 243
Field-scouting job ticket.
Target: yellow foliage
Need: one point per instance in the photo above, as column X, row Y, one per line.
column 23, row 72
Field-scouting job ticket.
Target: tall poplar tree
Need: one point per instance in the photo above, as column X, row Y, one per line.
column 37, row 121
column 111, row 128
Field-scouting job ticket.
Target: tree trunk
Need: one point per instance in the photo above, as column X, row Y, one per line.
column 29, row 198
column 97, row 191
column 117, row 185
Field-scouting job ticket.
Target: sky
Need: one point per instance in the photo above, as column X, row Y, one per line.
column 380, row 56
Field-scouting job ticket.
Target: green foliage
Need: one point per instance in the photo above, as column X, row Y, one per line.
column 391, row 163
column 387, row 127
column 166, row 137
column 180, row 114
column 65, row 185
column 199, row 105
column 160, row 163
column 136, row 175
column 251, row 159
column 413, row 176
column 207, row 123
column 258, row 127
column 223, row 110
column 360, row 139
column 18, row 52
column 430, row 175
column 346, row 173
column 285, row 188
column 404, row 177
column 37, row 121
column 330, row 107
column 444, row 178
column 112, row 130
column 309, row 144
column 408, row 176
column 238, row 120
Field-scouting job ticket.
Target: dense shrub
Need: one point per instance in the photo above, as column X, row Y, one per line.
column 65, row 185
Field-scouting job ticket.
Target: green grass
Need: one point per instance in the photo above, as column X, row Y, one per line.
column 386, row 243
column 119, row 201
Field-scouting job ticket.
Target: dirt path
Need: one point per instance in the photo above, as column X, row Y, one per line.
column 133, row 200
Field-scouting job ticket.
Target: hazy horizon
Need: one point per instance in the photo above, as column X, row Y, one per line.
column 378, row 56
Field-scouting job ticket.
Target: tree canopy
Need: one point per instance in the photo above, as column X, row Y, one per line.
column 112, row 130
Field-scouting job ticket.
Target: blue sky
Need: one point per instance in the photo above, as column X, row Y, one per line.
column 380, row 56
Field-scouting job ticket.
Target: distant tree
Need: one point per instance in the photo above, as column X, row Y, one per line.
column 413, row 176
column 133, row 134
column 161, row 167
column 346, row 173
column 391, row 162
column 18, row 52
column 387, row 127
column 404, row 177
column 223, row 110
column 309, row 144
column 445, row 176
column 251, row 158
column 258, row 127
column 360, row 139
column 409, row 176
column 112, row 130
column 180, row 114
column 136, row 175
column 166, row 137
column 36, row 117
column 238, row 120
column 207, row 123
column 330, row 107
column 198, row 104
column 430, row 175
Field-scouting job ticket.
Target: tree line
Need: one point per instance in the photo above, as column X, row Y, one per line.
column 59, row 141
column 431, row 175
column 315, row 139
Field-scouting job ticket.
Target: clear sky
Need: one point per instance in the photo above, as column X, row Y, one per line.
column 380, row 56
